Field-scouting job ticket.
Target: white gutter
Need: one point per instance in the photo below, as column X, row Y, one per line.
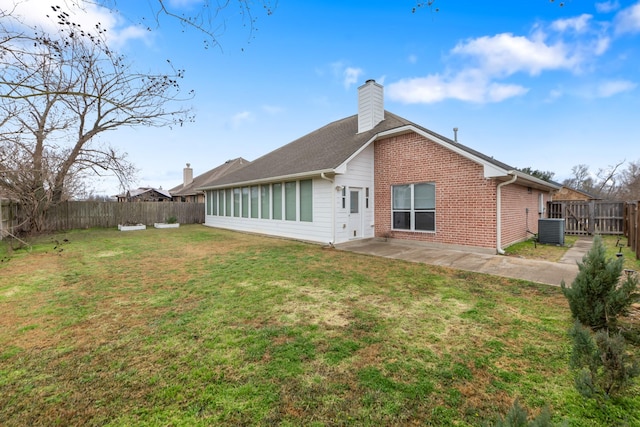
column 333, row 209
column 499, row 249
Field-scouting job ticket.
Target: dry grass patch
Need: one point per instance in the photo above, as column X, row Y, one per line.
column 199, row 326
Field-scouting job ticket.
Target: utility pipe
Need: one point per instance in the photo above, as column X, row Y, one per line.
column 499, row 249
column 333, row 209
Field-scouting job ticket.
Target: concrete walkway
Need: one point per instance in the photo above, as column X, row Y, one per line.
column 546, row 272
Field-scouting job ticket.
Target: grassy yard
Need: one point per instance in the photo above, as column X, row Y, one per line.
column 613, row 244
column 198, row 326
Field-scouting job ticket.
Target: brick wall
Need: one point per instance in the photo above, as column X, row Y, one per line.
column 465, row 200
column 516, row 200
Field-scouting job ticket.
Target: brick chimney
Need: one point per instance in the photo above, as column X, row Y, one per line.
column 187, row 175
column 370, row 105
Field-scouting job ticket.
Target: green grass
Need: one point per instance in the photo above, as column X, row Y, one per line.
column 533, row 250
column 198, row 326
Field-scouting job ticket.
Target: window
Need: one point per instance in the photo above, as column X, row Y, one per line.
column 213, row 200
column 236, row 202
column 354, row 201
column 264, row 201
column 414, row 207
column 227, row 204
column 366, row 198
column 277, row 201
column 344, row 197
column 221, row 202
column 290, row 201
column 254, row 202
column 208, row 197
column 306, row 200
column 245, row 202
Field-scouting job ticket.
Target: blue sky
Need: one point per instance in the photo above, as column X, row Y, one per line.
column 529, row 82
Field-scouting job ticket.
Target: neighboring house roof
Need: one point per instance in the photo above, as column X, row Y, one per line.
column 213, row 174
column 569, row 193
column 328, row 149
column 141, row 190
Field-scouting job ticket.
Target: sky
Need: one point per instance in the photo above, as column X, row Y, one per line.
column 531, row 83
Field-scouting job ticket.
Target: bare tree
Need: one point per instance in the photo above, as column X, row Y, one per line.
column 581, row 179
column 210, row 18
column 630, row 182
column 58, row 94
column 607, row 184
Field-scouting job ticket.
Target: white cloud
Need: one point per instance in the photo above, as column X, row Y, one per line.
column 272, row 109
column 346, row 74
column 607, row 6
column 614, row 87
column 628, row 20
column 468, row 86
column 351, row 76
column 240, row 118
column 41, row 14
column 578, row 24
column 482, row 64
column 506, row 54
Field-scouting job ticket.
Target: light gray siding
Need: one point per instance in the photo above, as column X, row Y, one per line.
column 318, row 230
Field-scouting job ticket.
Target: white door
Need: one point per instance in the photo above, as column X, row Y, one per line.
column 355, row 216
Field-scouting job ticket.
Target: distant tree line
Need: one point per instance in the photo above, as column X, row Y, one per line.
column 611, row 183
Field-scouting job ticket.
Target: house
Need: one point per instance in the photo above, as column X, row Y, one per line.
column 188, row 190
column 376, row 174
column 568, row 193
column 145, row 194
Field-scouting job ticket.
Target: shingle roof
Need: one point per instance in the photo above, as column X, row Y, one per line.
column 141, row 190
column 321, row 150
column 213, row 174
column 326, row 149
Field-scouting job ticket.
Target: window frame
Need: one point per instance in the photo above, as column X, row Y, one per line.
column 306, row 200
column 411, row 210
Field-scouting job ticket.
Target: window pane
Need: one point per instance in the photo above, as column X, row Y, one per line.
column 401, row 197
column 236, row 202
column 228, row 202
column 290, row 201
column 277, row 201
column 208, row 197
column 354, row 201
column 306, row 200
column 264, row 200
column 402, row 220
column 214, row 202
column 221, row 202
column 245, row 202
column 424, row 196
column 425, row 221
column 254, row 202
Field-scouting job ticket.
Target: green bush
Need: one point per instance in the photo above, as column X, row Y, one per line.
column 603, row 366
column 597, row 297
column 518, row 416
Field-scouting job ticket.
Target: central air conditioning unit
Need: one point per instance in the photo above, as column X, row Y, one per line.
column 551, row 230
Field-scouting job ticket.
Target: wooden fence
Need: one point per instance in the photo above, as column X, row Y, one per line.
column 631, row 222
column 595, row 216
column 589, row 217
column 73, row 215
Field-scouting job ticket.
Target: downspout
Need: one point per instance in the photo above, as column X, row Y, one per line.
column 333, row 210
column 499, row 249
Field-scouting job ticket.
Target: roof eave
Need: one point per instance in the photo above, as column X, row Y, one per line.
column 290, row 177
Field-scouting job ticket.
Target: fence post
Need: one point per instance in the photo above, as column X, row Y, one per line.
column 636, row 230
